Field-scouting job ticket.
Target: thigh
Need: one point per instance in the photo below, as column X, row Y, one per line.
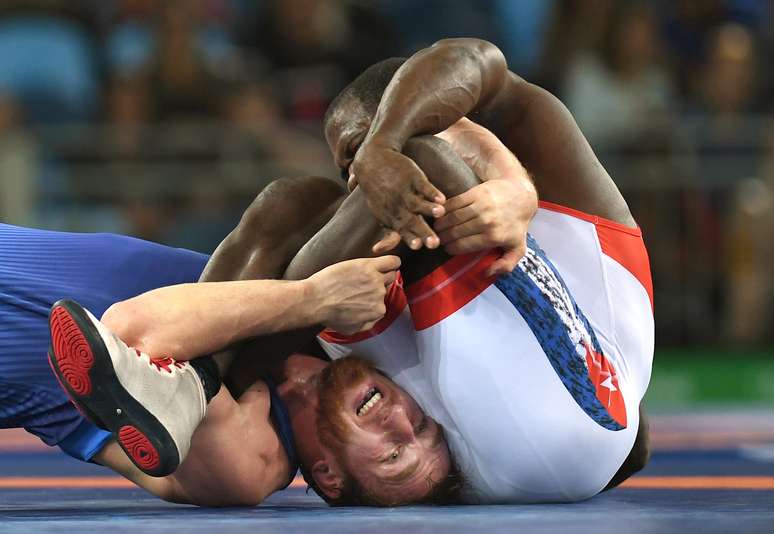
column 282, row 218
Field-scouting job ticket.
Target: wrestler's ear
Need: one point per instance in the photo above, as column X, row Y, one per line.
column 328, row 479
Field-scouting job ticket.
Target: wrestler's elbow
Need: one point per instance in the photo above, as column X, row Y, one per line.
column 122, row 319
column 223, row 501
column 235, row 495
column 134, row 322
column 487, row 57
column 470, row 47
column 255, row 223
column 231, row 498
column 640, row 455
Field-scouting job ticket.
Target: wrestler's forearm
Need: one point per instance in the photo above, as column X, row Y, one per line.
column 435, row 88
column 469, row 77
column 189, row 320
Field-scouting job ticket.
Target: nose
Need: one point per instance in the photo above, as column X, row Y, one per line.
column 398, row 425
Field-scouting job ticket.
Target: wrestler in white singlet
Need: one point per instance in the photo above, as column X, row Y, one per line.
column 537, row 376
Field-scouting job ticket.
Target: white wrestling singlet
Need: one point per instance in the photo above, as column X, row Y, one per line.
column 536, row 376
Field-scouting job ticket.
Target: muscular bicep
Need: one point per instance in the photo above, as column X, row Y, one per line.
column 542, row 133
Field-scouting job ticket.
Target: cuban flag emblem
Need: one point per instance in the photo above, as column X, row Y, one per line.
column 538, row 292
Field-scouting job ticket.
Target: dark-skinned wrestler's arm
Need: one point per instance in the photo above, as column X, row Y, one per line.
column 469, row 77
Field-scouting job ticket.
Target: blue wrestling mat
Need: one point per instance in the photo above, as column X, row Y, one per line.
column 711, row 472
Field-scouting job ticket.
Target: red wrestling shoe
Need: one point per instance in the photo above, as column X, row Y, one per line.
column 151, row 406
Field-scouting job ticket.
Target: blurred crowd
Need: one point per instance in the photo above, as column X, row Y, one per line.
column 162, row 119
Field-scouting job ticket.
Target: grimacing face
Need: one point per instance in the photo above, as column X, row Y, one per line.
column 346, row 132
column 395, row 452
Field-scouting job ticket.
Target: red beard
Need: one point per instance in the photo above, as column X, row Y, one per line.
column 335, row 379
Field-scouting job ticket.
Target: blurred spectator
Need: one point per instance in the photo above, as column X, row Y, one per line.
column 180, row 48
column 314, row 48
column 725, row 98
column 49, row 58
column 727, row 145
column 522, row 27
column 687, row 28
column 18, row 167
column 619, row 93
column 128, row 111
column 749, row 315
column 727, row 81
column 181, row 80
column 576, row 27
column 258, row 132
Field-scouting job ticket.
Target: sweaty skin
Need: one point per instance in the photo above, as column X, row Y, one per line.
column 458, row 78
column 237, row 426
column 529, row 121
column 347, row 297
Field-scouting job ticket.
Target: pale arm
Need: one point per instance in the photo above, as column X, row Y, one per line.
column 189, row 320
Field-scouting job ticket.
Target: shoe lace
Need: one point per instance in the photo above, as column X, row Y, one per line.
column 162, row 364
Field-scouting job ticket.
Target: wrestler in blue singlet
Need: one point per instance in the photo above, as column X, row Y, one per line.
column 39, row 267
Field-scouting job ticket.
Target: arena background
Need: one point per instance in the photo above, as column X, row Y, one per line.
column 164, row 119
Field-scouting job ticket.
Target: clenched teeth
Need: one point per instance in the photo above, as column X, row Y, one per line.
column 370, row 404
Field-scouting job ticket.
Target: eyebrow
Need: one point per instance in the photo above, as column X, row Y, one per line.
column 404, row 474
column 438, row 438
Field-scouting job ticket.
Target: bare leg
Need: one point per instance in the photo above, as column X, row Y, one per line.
column 353, row 230
column 273, row 228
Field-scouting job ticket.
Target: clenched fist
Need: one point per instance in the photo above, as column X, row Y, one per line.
column 349, row 296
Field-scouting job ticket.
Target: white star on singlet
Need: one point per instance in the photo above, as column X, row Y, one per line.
column 608, row 383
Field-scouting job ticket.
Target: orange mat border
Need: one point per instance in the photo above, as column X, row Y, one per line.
column 701, row 482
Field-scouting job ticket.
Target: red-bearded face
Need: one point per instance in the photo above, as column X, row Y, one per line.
column 390, row 452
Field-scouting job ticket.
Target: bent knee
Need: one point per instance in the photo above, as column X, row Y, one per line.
column 287, row 202
column 640, row 455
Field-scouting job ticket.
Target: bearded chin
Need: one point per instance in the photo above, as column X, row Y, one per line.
column 338, row 377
